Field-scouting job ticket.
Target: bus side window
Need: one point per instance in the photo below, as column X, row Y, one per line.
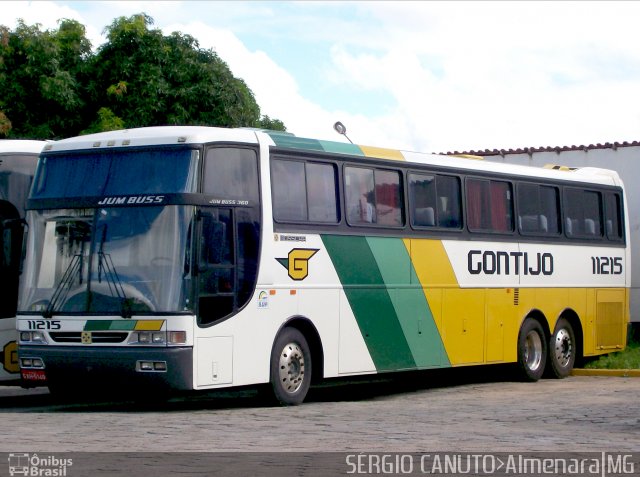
column 449, row 204
column 360, row 193
column 489, row 206
column 289, row 191
column 322, row 192
column 612, row 216
column 374, row 196
column 538, row 209
column 583, row 209
column 422, row 199
column 304, row 191
column 389, row 203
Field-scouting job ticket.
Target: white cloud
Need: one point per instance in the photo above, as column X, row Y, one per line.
column 459, row 75
column 485, row 75
column 47, row 14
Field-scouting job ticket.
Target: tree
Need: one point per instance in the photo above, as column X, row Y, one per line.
column 53, row 86
column 41, row 80
column 146, row 78
column 265, row 122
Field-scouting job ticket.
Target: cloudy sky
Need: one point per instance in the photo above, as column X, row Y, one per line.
column 421, row 75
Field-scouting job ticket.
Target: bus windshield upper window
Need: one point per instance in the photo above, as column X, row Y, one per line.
column 231, row 173
column 160, row 171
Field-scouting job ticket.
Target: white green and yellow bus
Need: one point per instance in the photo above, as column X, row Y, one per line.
column 202, row 258
column 18, row 160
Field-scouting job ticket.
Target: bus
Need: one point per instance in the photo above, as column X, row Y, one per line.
column 18, row 160
column 198, row 258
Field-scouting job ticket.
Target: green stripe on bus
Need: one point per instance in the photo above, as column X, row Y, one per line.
column 285, row 140
column 97, row 325
column 409, row 302
column 341, row 148
column 294, row 142
column 123, row 325
column 370, row 301
column 109, row 325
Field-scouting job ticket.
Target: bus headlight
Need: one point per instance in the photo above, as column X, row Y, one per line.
column 157, row 338
column 144, row 337
column 33, row 337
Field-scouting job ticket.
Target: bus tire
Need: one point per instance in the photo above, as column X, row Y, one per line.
column 290, row 367
column 532, row 350
column 562, row 350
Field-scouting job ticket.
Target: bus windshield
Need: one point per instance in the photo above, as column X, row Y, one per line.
column 113, row 172
column 118, row 260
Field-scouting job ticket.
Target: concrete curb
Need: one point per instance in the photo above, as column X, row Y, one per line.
column 621, row 373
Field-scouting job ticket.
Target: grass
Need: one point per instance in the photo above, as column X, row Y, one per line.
column 629, row 358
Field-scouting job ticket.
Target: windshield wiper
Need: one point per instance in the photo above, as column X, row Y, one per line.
column 62, row 290
column 105, row 264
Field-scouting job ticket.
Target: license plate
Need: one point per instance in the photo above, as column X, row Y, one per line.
column 33, row 375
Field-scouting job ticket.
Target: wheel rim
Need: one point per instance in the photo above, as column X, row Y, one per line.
column 291, row 367
column 563, row 348
column 533, row 351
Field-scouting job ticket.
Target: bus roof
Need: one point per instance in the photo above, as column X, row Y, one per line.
column 21, row 145
column 154, row 136
column 159, row 135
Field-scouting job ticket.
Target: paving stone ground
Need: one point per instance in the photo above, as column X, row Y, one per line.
column 415, row 413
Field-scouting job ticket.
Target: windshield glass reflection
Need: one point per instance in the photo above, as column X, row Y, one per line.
column 124, row 261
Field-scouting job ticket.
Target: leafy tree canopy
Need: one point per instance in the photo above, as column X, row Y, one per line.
column 41, row 72
column 53, row 85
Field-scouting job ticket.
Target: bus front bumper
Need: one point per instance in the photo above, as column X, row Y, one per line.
column 115, row 367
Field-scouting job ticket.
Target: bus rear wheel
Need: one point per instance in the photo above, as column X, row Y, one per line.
column 562, row 350
column 290, row 367
column 532, row 350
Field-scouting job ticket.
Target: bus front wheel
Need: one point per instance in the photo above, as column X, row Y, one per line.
column 290, row 367
column 532, row 350
column 562, row 350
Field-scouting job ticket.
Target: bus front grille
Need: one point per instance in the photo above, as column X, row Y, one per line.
column 96, row 337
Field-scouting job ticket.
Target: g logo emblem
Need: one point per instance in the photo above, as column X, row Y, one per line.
column 10, row 357
column 297, row 262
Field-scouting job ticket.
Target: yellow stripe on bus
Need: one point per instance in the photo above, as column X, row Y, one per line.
column 149, row 325
column 431, row 263
column 435, row 273
column 382, row 153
